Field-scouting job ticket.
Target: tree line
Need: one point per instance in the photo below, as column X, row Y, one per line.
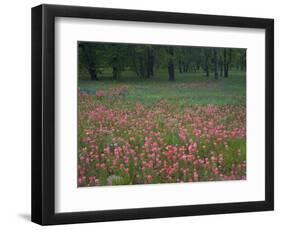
column 144, row 59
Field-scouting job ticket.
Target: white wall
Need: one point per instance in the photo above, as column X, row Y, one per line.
column 15, row 113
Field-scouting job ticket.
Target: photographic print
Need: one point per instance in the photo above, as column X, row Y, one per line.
column 150, row 114
column 161, row 106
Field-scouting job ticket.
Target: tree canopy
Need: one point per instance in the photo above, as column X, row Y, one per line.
column 146, row 59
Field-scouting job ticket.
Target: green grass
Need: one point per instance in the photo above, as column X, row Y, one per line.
column 188, row 89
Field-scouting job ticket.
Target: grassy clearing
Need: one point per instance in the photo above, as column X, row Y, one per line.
column 188, row 89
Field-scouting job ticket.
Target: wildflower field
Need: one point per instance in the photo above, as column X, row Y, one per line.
column 154, row 131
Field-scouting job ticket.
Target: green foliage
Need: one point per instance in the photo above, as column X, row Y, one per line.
column 145, row 59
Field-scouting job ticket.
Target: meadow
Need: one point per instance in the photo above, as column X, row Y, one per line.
column 136, row 131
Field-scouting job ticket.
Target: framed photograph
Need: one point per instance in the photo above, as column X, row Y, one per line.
column 142, row 114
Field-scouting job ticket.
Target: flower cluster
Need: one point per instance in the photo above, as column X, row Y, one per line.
column 159, row 143
column 116, row 91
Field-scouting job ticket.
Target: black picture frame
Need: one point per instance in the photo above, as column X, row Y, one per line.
column 43, row 114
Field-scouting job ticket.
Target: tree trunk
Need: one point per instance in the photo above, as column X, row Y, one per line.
column 151, row 62
column 114, row 73
column 171, row 72
column 141, row 66
column 90, row 60
column 207, row 71
column 180, row 66
column 216, row 63
column 221, row 68
column 135, row 64
column 225, row 63
column 146, row 63
column 207, row 61
column 243, row 61
column 171, row 69
column 185, row 67
column 115, row 68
